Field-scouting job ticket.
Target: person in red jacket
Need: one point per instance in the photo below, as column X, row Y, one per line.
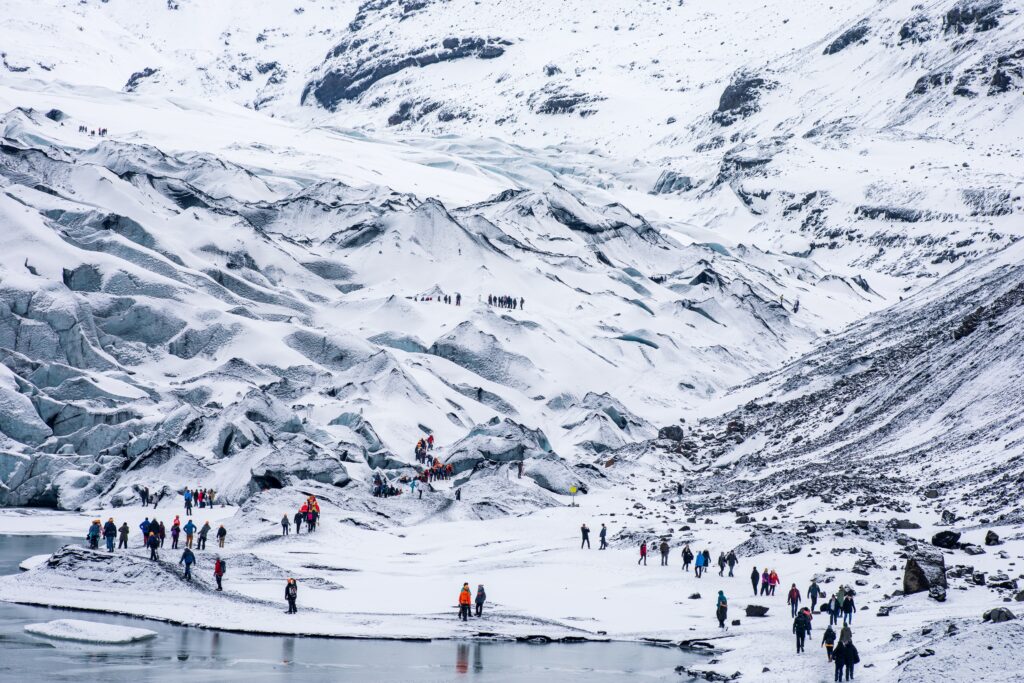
column 218, row 572
column 465, row 600
column 793, row 600
column 643, row 553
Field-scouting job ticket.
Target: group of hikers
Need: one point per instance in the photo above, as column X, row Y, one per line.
column 308, row 514
column 422, row 446
column 199, row 497
column 146, row 497
column 841, row 605
column 769, row 581
column 154, row 535
column 95, row 131
column 442, row 298
column 502, row 301
column 384, row 487
column 466, row 600
column 842, row 653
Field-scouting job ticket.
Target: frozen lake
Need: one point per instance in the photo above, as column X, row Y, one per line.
column 179, row 653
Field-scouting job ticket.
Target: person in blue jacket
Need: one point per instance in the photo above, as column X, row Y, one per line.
column 188, row 558
column 93, row 535
column 109, row 534
column 145, row 531
column 189, row 529
column 699, row 564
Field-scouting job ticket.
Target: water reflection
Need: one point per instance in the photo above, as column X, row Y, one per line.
column 462, row 658
column 287, row 650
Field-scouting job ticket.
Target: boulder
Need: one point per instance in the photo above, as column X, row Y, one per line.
column 992, row 538
column 937, row 593
column 998, row 615
column 925, row 568
column 972, row 549
column 905, row 524
column 946, row 539
column 672, row 433
column 756, row 611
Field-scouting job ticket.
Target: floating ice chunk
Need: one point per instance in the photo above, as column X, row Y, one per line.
column 90, row 631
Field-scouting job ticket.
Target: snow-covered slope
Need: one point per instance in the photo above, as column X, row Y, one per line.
column 885, row 134
column 182, row 316
column 920, row 401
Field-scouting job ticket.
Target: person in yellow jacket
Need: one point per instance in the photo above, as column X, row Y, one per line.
column 465, row 600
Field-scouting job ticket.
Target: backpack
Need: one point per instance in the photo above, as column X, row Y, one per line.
column 223, row 567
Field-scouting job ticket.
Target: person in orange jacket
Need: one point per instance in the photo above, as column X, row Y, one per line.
column 465, row 600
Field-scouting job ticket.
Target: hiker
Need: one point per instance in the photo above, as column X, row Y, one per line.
column 203, row 534
column 699, row 565
column 156, row 498
column 828, row 641
column 221, row 535
column 144, row 496
column 145, row 531
column 801, row 627
column 732, row 561
column 721, row 609
column 585, row 533
column 754, row 578
column 833, row 608
column 218, row 571
column 465, row 599
column 845, row 634
column 679, row 488
column 162, row 533
column 109, row 534
column 643, row 553
column 848, row 609
column 604, row 537
column 520, row 468
column 664, row 552
column 188, row 558
column 210, row 495
column 153, row 544
column 175, row 533
column 285, row 525
column 430, row 442
column 845, row 656
column 721, row 564
column 481, row 597
column 122, row 541
column 189, row 529
column 188, row 501
column 773, row 579
column 766, row 579
column 291, row 594
column 814, row 592
column 298, row 523
column 458, row 496
column 687, row 557
column 793, row 600
column 93, row 534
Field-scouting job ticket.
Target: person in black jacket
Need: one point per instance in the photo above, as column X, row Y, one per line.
column 687, row 557
column 291, row 594
column 828, row 641
column 755, row 578
column 845, row 657
column 801, row 627
column 481, row 597
column 109, row 534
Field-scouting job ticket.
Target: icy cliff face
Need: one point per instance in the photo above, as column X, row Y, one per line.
column 176, row 318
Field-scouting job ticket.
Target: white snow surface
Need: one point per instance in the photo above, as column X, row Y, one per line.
column 90, row 632
column 789, row 232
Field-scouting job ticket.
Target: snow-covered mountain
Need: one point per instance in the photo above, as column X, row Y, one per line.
column 154, row 300
column 882, row 134
column 735, row 272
